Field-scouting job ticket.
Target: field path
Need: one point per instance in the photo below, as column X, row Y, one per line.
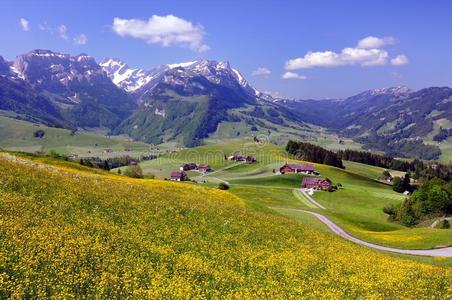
column 303, row 191
column 442, row 252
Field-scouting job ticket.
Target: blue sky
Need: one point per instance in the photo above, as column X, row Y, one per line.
column 301, row 49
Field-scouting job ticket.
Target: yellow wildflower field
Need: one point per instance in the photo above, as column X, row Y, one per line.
column 71, row 234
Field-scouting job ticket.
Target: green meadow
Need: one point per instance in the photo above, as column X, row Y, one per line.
column 356, row 206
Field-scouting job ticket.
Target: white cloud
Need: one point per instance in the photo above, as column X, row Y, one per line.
column 400, row 60
column 348, row 56
column 292, row 75
column 163, row 30
column 62, row 31
column 81, row 39
column 24, row 24
column 261, row 71
column 367, row 53
column 372, row 42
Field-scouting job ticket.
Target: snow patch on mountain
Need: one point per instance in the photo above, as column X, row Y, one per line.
column 182, row 65
column 125, row 77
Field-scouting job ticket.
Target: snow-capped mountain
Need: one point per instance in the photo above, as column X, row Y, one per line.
column 395, row 92
column 141, row 82
column 128, row 79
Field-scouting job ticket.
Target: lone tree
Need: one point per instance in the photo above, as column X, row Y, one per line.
column 401, row 185
column 39, row 133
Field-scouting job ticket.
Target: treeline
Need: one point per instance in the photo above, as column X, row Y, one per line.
column 384, row 161
column 417, row 168
column 114, row 162
column 432, row 199
column 398, row 146
column 314, row 153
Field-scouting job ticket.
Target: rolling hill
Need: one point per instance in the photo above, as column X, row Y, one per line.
column 115, row 237
column 357, row 206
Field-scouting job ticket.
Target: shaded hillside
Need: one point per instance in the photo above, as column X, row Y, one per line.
column 393, row 120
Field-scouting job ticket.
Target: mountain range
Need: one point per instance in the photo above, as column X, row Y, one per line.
column 395, row 120
column 187, row 102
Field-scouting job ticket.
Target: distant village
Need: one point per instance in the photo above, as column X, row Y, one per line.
column 312, row 182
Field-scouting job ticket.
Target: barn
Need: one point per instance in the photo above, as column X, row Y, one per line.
column 204, row 168
column 178, row 176
column 297, row 168
column 316, row 183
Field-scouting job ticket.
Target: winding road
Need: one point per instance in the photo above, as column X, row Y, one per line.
column 442, row 252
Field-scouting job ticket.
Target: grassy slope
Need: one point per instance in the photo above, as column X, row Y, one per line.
column 118, row 237
column 18, row 135
column 357, row 206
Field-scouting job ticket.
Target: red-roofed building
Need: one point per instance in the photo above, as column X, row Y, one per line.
column 315, row 183
column 178, row 176
column 204, row 168
column 297, row 168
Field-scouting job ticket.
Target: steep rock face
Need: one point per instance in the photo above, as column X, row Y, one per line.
column 127, row 78
column 4, row 67
column 78, row 85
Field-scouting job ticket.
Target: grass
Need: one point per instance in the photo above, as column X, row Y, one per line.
column 371, row 172
column 357, row 206
column 17, row 135
column 283, row 181
column 116, row 237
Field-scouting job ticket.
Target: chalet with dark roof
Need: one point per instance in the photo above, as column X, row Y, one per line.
column 297, row 168
column 237, row 156
column 188, row 167
column 250, row 159
column 316, row 183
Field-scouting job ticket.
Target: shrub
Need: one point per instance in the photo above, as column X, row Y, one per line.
column 39, row 133
column 444, row 224
column 134, row 171
column 223, row 186
column 389, row 209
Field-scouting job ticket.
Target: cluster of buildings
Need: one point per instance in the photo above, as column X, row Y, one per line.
column 315, row 183
column 181, row 175
column 237, row 156
column 202, row 168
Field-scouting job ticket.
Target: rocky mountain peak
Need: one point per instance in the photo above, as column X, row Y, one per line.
column 396, row 90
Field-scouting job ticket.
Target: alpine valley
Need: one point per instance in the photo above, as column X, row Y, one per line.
column 190, row 102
